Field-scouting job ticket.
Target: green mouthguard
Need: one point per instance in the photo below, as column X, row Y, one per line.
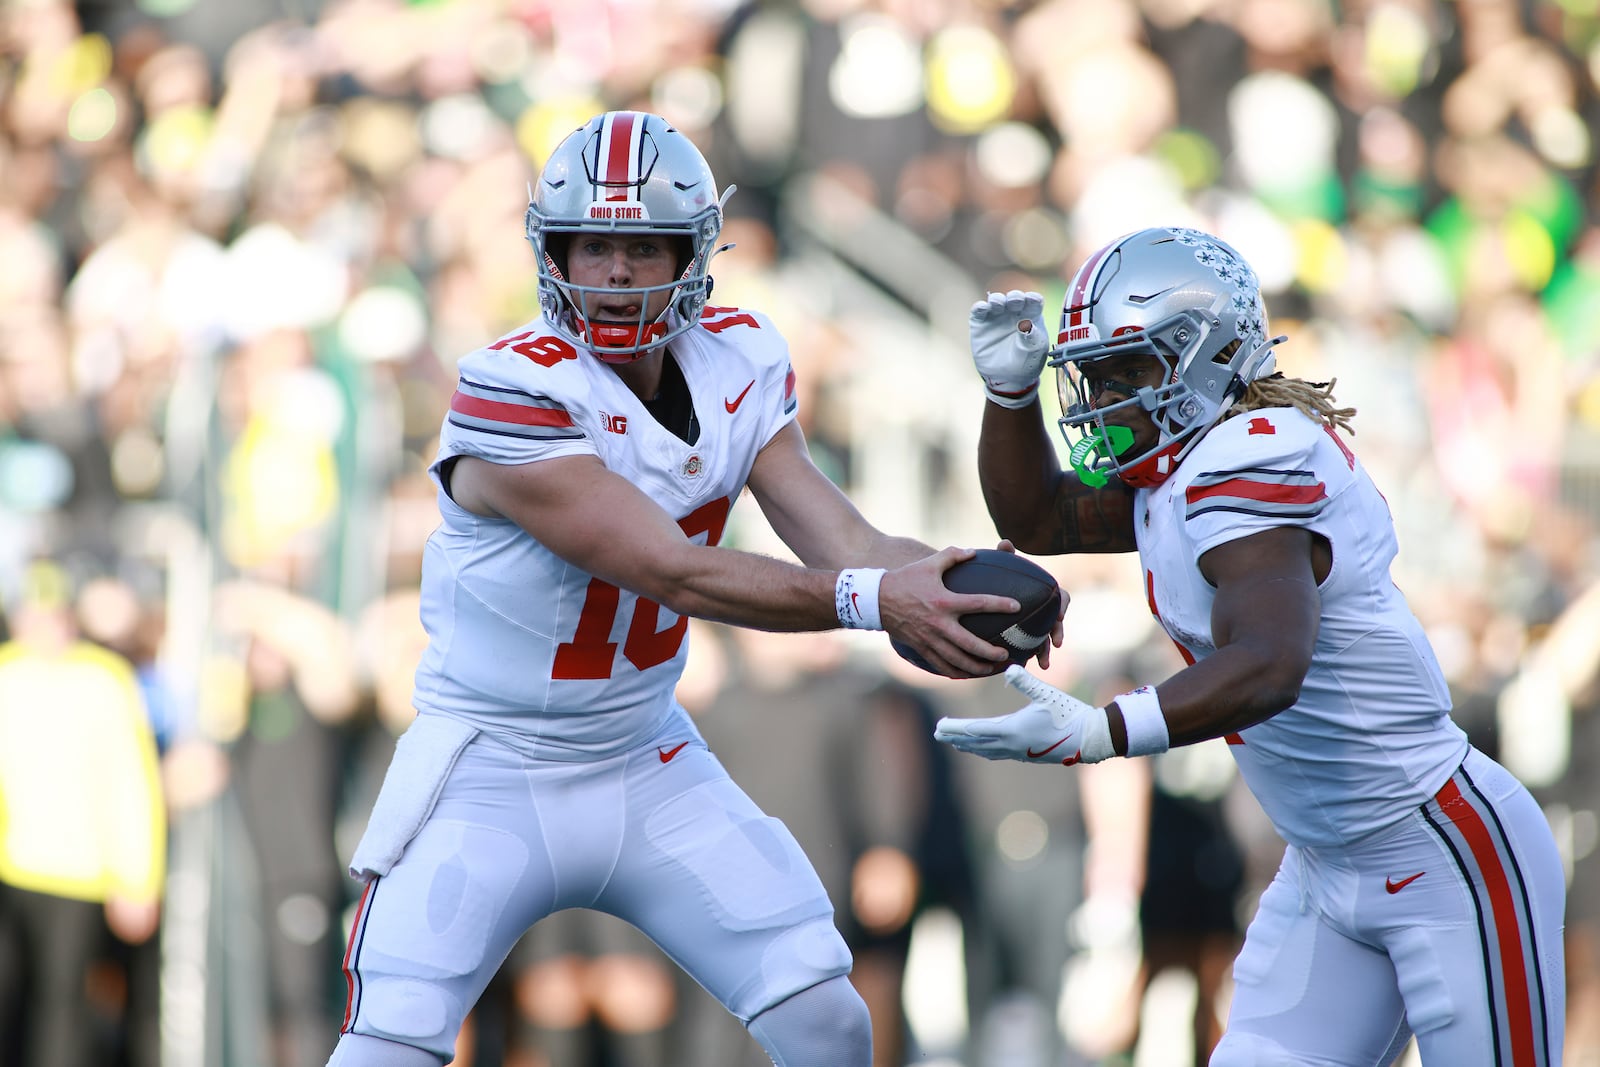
column 1108, row 442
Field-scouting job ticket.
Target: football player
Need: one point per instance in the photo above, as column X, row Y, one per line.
column 586, row 469
column 1421, row 890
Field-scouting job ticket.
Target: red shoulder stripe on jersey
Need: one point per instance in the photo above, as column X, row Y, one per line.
column 1251, row 489
column 499, row 411
column 790, row 401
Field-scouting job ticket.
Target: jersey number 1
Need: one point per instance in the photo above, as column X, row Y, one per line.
column 591, row 652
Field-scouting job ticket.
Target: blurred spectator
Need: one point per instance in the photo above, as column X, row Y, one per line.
column 1555, row 696
column 82, row 825
column 1194, row 880
column 797, row 695
column 911, row 847
column 116, row 613
column 591, row 991
column 866, row 791
column 1191, row 884
column 300, row 668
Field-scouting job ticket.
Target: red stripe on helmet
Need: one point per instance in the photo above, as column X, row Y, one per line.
column 619, row 154
column 1081, row 284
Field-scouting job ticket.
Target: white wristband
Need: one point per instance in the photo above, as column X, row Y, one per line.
column 855, row 598
column 1146, row 726
column 1014, row 401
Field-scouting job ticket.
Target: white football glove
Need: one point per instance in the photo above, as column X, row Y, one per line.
column 1008, row 360
column 1056, row 728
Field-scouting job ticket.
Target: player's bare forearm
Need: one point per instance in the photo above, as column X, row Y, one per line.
column 1265, row 620
column 890, row 551
column 599, row 522
column 1037, row 506
column 813, row 516
column 1229, row 691
column 754, row 591
column 745, row 589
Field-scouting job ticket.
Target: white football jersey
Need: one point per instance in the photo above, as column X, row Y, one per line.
column 527, row 646
column 1371, row 737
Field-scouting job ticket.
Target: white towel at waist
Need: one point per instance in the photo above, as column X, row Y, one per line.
column 422, row 760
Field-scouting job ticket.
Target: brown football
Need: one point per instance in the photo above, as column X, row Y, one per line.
column 1020, row 633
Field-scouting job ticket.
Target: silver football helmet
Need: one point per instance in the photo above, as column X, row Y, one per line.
column 1182, row 296
column 625, row 172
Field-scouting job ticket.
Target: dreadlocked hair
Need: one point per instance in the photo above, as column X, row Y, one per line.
column 1314, row 399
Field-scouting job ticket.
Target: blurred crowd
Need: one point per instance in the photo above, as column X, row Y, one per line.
column 243, row 243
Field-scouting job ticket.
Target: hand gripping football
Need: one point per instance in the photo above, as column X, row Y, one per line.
column 1020, row 633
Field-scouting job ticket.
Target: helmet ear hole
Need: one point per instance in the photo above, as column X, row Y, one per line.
column 556, row 246
column 1224, row 355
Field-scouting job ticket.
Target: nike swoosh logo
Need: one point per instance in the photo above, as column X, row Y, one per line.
column 855, row 607
column 733, row 405
column 1046, row 751
column 1133, row 299
column 666, row 754
column 1394, row 887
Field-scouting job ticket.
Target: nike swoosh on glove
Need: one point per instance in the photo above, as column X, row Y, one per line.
column 1008, row 360
column 1055, row 728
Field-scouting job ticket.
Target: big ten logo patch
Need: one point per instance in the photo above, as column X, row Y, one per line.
column 614, row 423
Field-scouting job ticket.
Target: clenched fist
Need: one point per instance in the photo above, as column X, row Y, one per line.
column 1009, row 344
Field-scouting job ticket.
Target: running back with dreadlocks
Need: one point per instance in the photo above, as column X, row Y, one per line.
column 1421, row 888
column 1314, row 399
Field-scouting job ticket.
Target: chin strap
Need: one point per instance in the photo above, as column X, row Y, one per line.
column 1154, row 469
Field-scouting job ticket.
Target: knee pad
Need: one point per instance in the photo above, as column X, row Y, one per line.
column 409, row 1012
column 359, row 1050
column 825, row 1026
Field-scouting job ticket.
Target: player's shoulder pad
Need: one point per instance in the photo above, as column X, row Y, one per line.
column 1285, row 437
column 733, row 337
column 1273, row 463
column 530, row 356
column 748, row 332
column 528, row 385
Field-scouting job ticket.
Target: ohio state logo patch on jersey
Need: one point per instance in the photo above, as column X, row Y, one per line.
column 693, row 466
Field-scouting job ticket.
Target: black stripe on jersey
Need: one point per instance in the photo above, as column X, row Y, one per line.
column 531, row 436
column 1258, row 510
column 1234, row 472
column 508, row 391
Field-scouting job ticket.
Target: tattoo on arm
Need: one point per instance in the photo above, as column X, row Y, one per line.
column 1093, row 520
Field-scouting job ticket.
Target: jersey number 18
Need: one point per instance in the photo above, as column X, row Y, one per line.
column 591, row 653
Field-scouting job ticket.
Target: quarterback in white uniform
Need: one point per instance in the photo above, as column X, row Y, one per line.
column 586, row 469
column 1421, row 891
